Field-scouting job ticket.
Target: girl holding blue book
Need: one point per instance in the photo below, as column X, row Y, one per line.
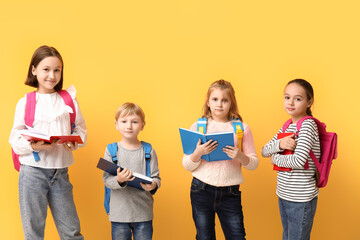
column 215, row 186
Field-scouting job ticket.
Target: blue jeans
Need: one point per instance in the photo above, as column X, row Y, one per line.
column 297, row 218
column 206, row 200
column 38, row 188
column 140, row 230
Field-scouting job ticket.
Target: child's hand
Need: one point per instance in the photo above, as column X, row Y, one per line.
column 288, row 143
column 148, row 187
column 124, row 176
column 272, row 159
column 202, row 149
column 69, row 146
column 235, row 154
column 41, row 145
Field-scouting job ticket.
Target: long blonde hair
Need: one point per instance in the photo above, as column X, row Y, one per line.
column 223, row 85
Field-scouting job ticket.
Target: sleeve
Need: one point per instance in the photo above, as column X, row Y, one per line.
column 248, row 148
column 154, row 168
column 110, row 180
column 307, row 136
column 272, row 147
column 18, row 143
column 80, row 126
column 187, row 162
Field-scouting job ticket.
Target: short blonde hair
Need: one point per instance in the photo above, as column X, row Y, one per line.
column 129, row 108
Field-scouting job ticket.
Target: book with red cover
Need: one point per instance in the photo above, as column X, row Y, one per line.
column 285, row 152
column 32, row 134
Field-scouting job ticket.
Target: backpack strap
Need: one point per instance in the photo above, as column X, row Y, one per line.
column 30, row 108
column 69, row 102
column 201, row 125
column 30, row 115
column 113, row 148
column 239, row 130
column 311, row 153
column 147, row 150
column 286, row 125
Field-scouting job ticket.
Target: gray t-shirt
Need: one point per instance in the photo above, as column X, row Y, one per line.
column 128, row 204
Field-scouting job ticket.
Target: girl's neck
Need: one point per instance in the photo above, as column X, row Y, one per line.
column 130, row 144
column 295, row 119
column 221, row 120
column 47, row 91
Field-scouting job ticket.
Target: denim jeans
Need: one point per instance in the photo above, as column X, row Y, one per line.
column 40, row 188
column 297, row 218
column 140, row 230
column 206, row 200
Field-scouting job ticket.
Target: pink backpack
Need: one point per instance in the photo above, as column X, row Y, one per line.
column 328, row 147
column 30, row 115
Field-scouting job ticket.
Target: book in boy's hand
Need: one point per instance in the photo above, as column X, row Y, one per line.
column 32, row 134
column 285, row 152
column 190, row 139
column 111, row 168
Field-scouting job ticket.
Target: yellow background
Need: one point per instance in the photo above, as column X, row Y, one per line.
column 163, row 55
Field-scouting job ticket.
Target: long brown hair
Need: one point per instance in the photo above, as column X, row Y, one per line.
column 39, row 54
column 223, row 85
column 308, row 89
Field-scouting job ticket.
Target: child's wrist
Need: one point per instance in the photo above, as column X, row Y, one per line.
column 195, row 156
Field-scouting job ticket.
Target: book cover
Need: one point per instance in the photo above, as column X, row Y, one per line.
column 190, row 139
column 111, row 168
column 32, row 134
column 285, row 152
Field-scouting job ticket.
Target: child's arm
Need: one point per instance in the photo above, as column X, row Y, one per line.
column 307, row 137
column 18, row 143
column 272, row 147
column 154, row 174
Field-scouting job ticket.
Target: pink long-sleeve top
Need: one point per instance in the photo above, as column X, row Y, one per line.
column 227, row 172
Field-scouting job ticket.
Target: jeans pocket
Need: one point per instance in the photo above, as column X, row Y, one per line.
column 235, row 192
column 195, row 187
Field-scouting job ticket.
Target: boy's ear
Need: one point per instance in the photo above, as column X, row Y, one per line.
column 116, row 126
column 142, row 128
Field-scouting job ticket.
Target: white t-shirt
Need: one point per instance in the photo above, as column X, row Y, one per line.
column 52, row 118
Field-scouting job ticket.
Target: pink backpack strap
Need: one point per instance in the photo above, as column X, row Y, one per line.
column 69, row 101
column 30, row 108
column 286, row 124
column 320, row 129
column 29, row 120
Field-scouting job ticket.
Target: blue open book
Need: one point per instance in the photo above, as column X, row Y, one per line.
column 111, row 168
column 190, row 139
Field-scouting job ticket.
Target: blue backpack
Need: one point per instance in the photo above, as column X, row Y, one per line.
column 113, row 148
column 237, row 125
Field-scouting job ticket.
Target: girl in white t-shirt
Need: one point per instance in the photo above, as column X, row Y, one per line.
column 44, row 179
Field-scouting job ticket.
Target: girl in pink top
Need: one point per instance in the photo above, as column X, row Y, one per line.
column 215, row 186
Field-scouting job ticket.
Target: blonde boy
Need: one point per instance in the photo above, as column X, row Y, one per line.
column 131, row 209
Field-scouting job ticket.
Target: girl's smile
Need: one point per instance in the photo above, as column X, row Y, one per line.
column 48, row 74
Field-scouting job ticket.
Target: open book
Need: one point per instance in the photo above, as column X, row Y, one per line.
column 111, row 168
column 190, row 139
column 32, row 134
